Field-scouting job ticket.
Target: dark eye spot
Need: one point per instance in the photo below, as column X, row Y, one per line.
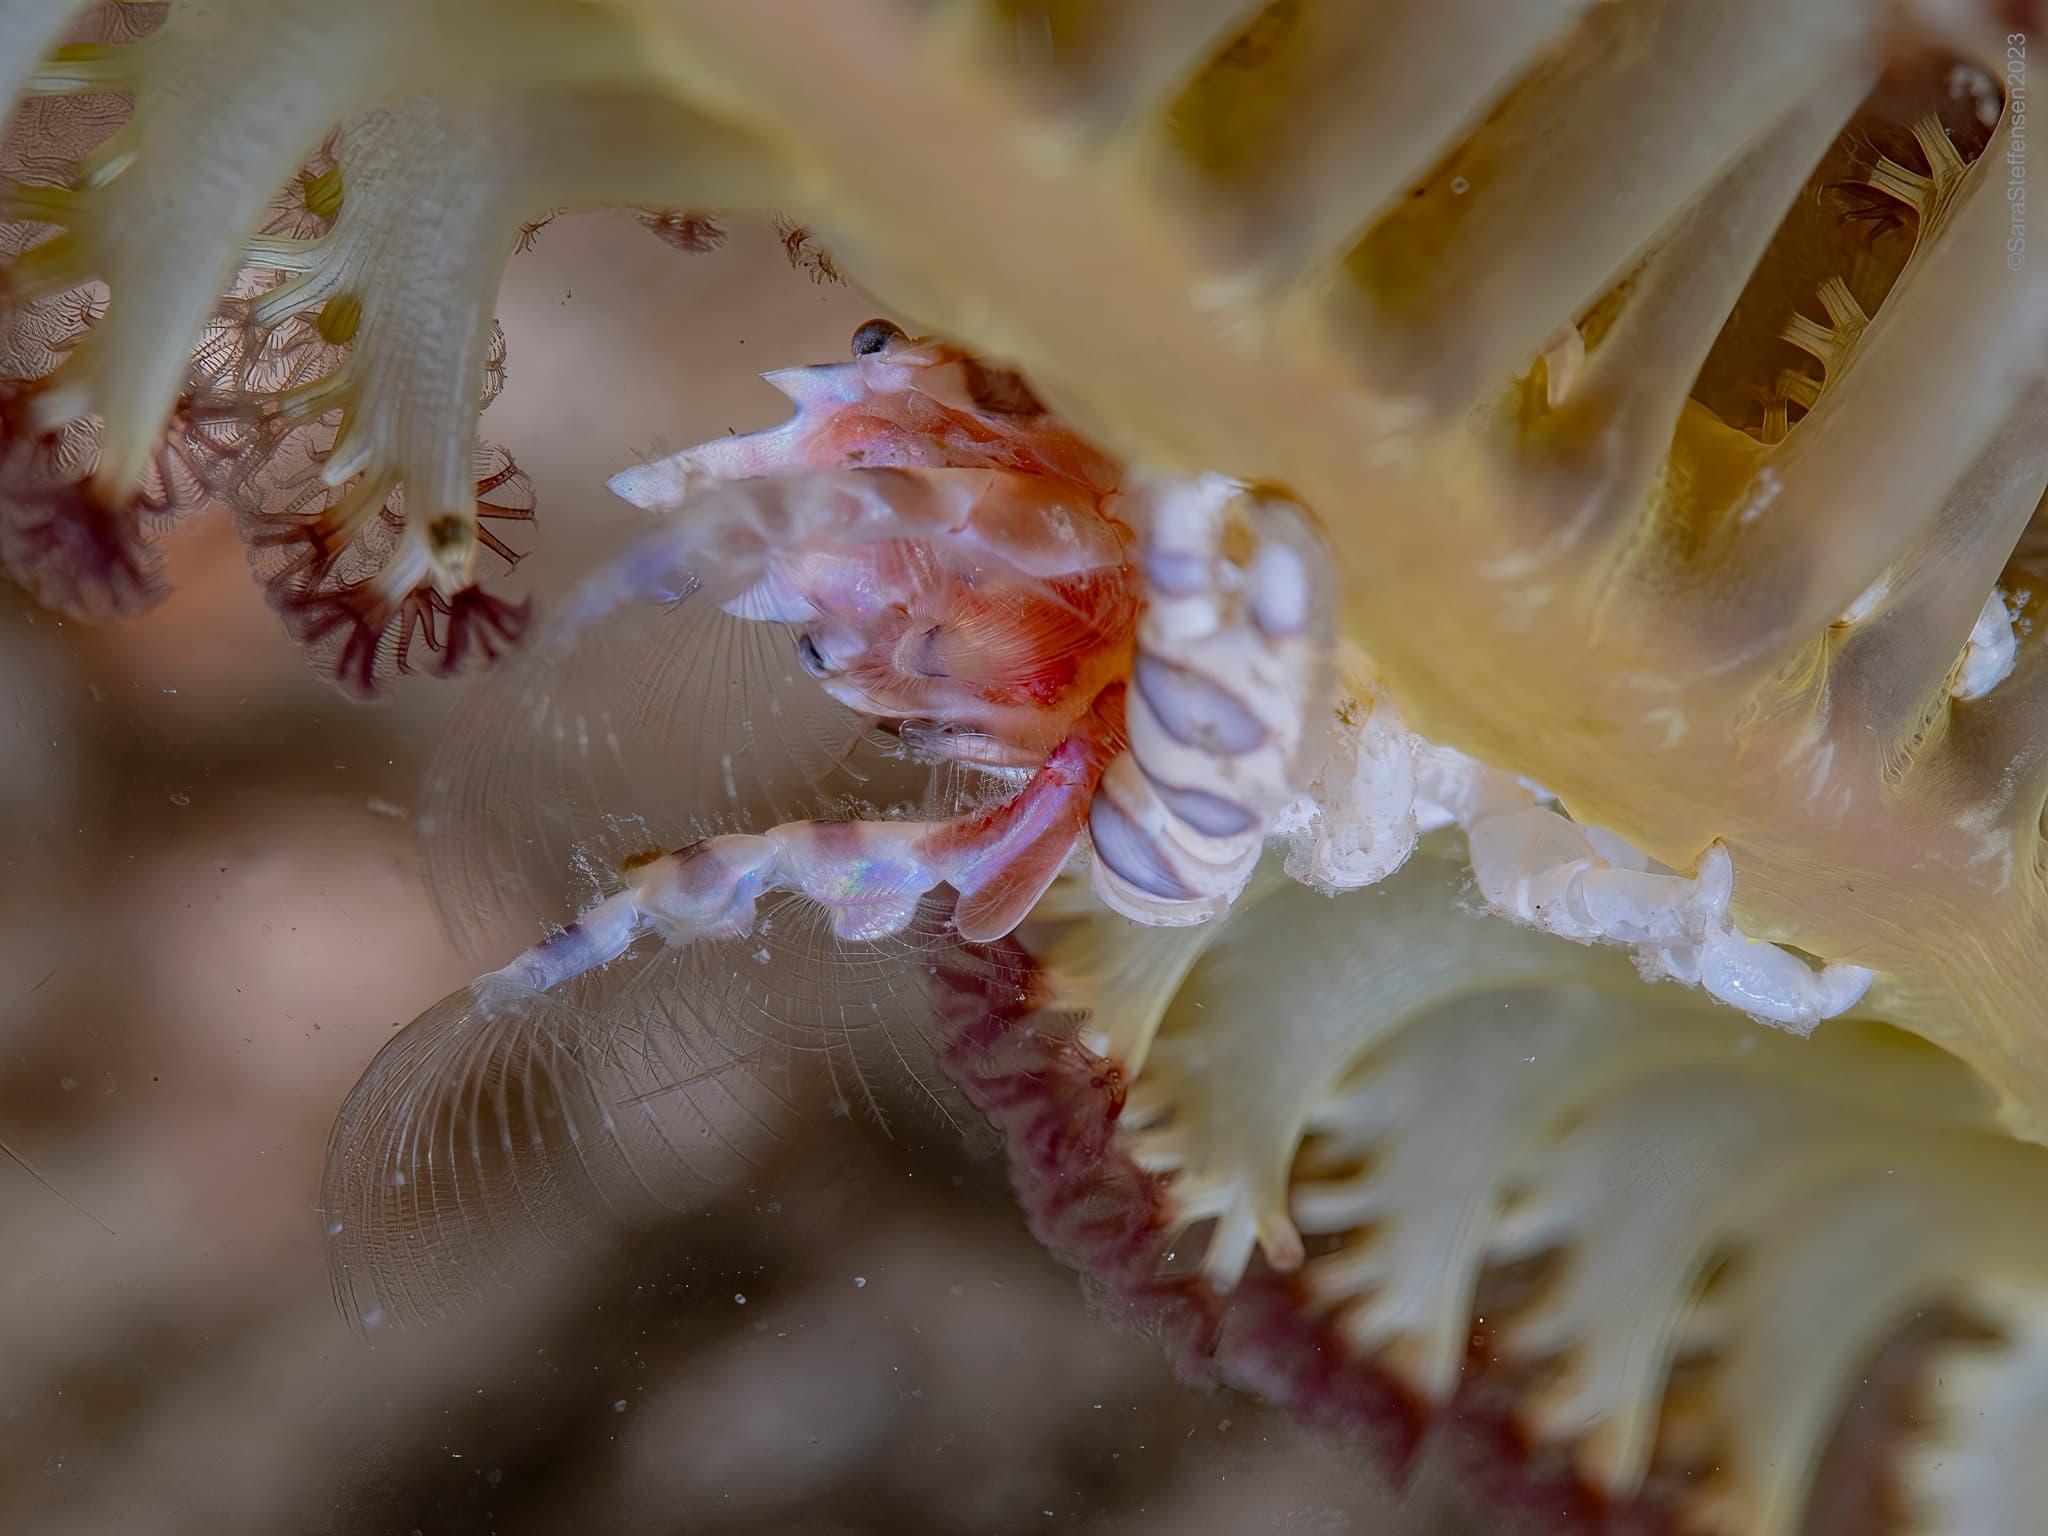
column 810, row 658
column 876, row 336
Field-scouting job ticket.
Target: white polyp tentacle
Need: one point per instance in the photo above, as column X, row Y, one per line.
column 1991, row 652
column 1769, row 982
column 1357, row 822
column 1538, row 867
column 1380, row 786
column 1230, row 664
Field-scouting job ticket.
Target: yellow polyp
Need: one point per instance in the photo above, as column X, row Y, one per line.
column 109, row 159
column 1832, row 343
column 1803, row 390
column 322, row 192
column 452, row 538
column 339, row 317
column 81, row 67
column 39, row 204
column 50, row 267
column 1219, row 119
column 304, row 402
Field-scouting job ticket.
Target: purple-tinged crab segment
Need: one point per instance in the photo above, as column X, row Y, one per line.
column 870, row 877
column 1232, row 679
column 994, row 604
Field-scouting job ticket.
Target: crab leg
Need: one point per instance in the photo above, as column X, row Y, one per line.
column 868, row 875
column 1231, row 669
column 735, row 542
column 899, row 403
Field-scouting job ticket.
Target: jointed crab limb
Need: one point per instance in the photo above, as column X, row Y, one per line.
column 1232, row 669
column 1539, row 868
column 993, row 602
column 869, row 876
column 900, row 403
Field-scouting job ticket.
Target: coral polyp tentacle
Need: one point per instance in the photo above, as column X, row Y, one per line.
column 1678, row 1239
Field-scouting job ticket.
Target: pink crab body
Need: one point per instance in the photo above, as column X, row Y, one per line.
column 953, row 553
column 957, row 568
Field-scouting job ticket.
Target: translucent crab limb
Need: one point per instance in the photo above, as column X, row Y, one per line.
column 1381, row 785
column 1358, row 821
column 869, row 876
column 1540, row 868
column 729, row 533
column 993, row 603
column 1231, row 667
column 967, row 597
column 900, row 403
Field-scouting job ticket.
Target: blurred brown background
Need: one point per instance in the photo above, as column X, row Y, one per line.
column 210, row 919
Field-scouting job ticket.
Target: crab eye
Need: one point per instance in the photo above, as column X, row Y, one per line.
column 876, row 336
column 810, row 658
